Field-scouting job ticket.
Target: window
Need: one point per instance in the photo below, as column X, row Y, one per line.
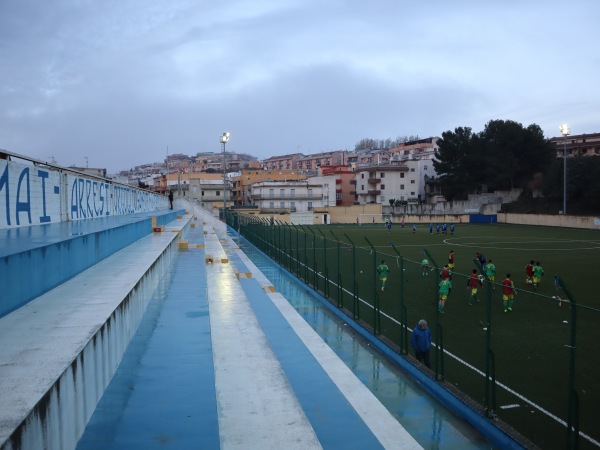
column 271, row 205
column 271, row 193
column 310, row 206
column 383, row 186
column 402, row 186
column 282, row 205
column 362, row 175
column 412, row 181
column 425, row 168
column 362, row 187
column 402, row 175
column 309, row 192
column 412, row 169
column 293, row 205
column 218, row 193
column 293, row 193
column 203, row 193
column 412, row 193
column 338, row 196
column 382, row 198
column 382, row 175
column 282, row 193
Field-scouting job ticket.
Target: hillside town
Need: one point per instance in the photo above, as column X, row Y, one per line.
column 402, row 176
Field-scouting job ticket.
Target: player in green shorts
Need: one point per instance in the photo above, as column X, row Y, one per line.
column 425, row 267
column 445, row 288
column 538, row 273
column 383, row 270
column 508, row 293
column 490, row 270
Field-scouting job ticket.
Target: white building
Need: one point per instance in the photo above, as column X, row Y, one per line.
column 294, row 196
column 209, row 193
column 404, row 182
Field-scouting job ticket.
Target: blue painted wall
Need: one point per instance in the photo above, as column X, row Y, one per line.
column 482, row 218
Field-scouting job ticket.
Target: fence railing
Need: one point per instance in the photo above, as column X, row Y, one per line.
column 532, row 382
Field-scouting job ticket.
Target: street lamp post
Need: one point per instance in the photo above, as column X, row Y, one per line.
column 564, row 129
column 223, row 139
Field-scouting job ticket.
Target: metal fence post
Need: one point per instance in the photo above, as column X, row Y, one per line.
column 573, row 402
column 355, row 311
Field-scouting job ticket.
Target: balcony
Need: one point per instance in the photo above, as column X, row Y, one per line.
column 352, row 181
column 297, row 196
column 338, row 181
column 374, row 180
column 352, row 192
column 374, row 192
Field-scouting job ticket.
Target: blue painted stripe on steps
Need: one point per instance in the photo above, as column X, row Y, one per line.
column 234, row 257
column 336, row 423
column 163, row 393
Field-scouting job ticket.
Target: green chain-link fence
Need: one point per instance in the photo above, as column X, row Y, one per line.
column 500, row 360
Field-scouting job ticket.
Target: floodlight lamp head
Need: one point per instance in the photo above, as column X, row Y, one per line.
column 564, row 129
column 224, row 137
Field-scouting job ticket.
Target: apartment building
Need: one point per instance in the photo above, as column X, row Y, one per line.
column 404, row 181
column 344, row 186
column 242, row 184
column 313, row 162
column 209, row 193
column 362, row 158
column 577, row 145
column 283, row 162
column 419, row 149
column 294, row 196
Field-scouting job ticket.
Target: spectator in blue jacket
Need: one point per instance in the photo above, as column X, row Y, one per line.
column 421, row 342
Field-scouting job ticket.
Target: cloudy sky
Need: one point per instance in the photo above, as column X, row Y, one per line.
column 115, row 83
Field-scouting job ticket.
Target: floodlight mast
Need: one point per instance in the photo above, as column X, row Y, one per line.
column 564, row 130
column 223, row 139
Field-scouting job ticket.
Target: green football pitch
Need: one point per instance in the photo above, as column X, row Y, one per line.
column 528, row 351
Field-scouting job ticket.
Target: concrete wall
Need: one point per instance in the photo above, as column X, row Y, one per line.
column 32, row 195
column 551, row 220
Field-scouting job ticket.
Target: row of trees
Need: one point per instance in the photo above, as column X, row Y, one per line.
column 506, row 155
column 503, row 156
column 381, row 144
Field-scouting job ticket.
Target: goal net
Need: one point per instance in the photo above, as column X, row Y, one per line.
column 369, row 219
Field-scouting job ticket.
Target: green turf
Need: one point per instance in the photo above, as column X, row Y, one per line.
column 530, row 346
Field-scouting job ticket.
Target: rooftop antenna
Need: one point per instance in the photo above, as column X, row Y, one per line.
column 52, row 160
column 86, row 162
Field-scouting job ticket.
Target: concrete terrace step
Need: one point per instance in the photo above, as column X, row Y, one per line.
column 339, row 409
column 60, row 350
column 38, row 258
column 163, row 393
column 355, row 418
